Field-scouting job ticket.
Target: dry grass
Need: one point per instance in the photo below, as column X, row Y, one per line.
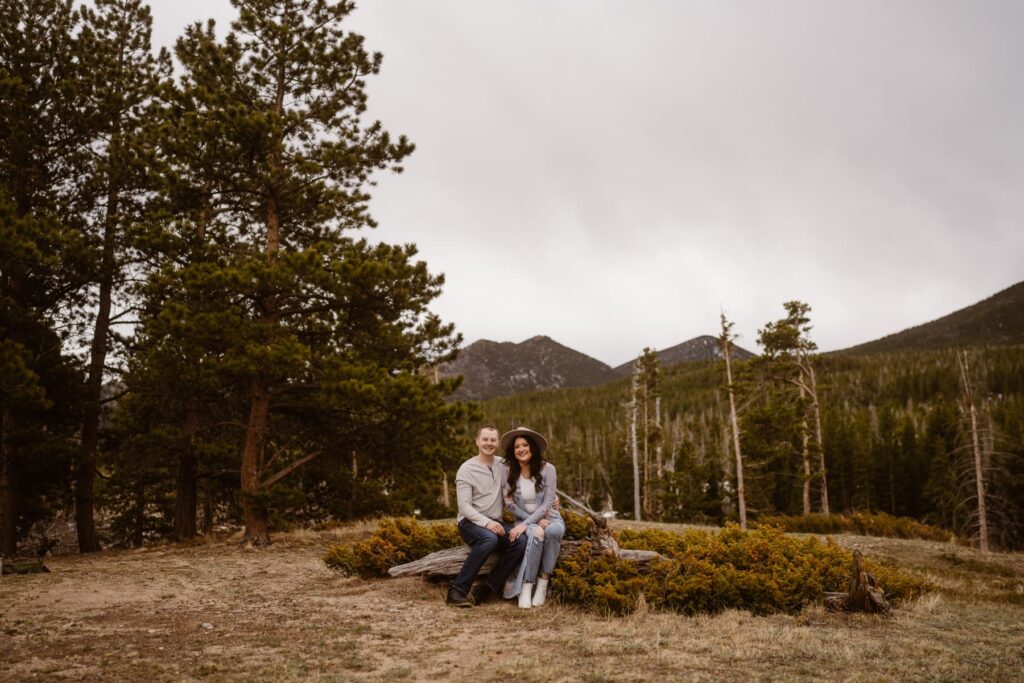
column 216, row 612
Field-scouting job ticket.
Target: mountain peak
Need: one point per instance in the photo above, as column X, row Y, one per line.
column 491, row 369
column 699, row 349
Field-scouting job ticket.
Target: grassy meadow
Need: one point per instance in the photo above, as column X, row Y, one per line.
column 214, row 611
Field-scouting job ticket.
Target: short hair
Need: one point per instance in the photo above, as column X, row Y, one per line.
column 486, row 426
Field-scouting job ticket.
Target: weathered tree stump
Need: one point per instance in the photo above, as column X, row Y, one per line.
column 864, row 595
column 445, row 564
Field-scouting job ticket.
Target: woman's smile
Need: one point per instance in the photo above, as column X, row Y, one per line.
column 522, row 450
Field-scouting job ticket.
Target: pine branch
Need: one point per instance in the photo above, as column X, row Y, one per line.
column 267, row 483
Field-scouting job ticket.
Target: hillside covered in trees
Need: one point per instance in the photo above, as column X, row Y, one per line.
column 995, row 321
column 896, row 436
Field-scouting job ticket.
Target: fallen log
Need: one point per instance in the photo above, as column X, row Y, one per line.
column 865, row 595
column 445, row 564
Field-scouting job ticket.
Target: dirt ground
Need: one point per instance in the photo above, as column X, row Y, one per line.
column 217, row 612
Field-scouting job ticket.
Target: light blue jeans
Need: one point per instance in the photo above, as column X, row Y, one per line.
column 540, row 556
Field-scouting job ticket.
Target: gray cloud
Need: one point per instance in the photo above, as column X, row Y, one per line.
column 610, row 173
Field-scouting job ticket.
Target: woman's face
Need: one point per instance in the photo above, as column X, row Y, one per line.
column 522, row 450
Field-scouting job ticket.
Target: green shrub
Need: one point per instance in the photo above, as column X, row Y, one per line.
column 577, row 527
column 864, row 523
column 763, row 571
column 397, row 540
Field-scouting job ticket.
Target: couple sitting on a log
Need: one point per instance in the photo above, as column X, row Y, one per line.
column 525, row 484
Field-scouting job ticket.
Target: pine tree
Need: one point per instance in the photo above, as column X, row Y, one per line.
column 168, row 358
column 647, row 399
column 41, row 254
column 325, row 335
column 788, row 349
column 122, row 79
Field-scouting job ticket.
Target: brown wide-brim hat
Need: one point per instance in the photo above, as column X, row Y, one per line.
column 508, row 437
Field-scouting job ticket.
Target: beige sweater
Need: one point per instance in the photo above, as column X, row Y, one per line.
column 478, row 490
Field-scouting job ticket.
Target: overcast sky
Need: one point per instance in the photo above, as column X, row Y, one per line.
column 610, row 173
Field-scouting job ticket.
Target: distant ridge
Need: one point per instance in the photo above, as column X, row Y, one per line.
column 698, row 349
column 491, row 369
column 995, row 321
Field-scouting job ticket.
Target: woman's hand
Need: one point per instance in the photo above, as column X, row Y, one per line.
column 516, row 532
column 543, row 524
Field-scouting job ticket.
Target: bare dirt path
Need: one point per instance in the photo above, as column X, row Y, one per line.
column 217, row 612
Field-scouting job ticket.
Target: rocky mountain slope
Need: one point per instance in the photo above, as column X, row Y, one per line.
column 491, row 369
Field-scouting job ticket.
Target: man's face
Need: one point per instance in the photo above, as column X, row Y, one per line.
column 487, row 441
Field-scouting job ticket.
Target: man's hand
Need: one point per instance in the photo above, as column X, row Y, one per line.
column 556, row 505
column 496, row 528
column 543, row 524
column 516, row 532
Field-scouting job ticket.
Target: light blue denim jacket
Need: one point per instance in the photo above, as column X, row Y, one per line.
column 546, row 492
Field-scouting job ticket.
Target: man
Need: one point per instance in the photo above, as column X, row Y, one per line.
column 478, row 489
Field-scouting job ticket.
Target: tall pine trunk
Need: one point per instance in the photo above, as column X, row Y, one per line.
column 85, row 474
column 660, row 440
column 636, row 456
column 805, row 450
column 186, row 499
column 647, row 459
column 257, row 524
column 816, row 408
column 741, row 495
column 8, row 487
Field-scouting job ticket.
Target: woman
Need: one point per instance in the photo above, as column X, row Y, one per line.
column 530, row 496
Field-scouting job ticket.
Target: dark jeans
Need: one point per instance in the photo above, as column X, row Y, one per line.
column 482, row 542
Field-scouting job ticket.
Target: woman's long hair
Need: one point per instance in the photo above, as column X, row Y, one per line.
column 537, row 463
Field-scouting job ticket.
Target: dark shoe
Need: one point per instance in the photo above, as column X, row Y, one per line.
column 457, row 599
column 482, row 593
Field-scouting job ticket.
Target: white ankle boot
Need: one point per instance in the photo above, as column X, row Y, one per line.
column 540, row 593
column 524, row 595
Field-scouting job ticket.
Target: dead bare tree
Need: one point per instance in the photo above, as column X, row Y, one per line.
column 806, row 453
column 636, row 456
column 726, row 340
column 968, row 396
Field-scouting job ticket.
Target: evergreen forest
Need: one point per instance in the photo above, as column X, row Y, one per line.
column 896, row 433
